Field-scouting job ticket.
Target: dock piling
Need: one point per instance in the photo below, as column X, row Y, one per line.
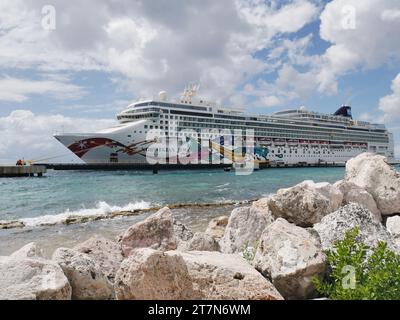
column 22, row 171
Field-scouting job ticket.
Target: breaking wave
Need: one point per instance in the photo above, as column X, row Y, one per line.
column 102, row 209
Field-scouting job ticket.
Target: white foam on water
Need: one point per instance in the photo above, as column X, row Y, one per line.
column 101, row 209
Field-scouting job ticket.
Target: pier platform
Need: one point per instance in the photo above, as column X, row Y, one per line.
column 158, row 167
column 22, row 171
column 131, row 167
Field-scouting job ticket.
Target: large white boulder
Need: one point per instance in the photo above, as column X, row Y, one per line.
column 216, row 227
column 218, row 276
column 31, row 250
column 291, row 256
column 393, row 226
column 306, row 203
column 85, row 276
column 32, row 279
column 156, row 232
column 372, row 173
column 334, row 226
column 149, row 274
column 175, row 275
column 244, row 228
column 106, row 253
column 353, row 193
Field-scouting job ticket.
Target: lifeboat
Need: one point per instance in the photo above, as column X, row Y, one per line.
column 279, row 142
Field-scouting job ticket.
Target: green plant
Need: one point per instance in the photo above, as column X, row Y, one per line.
column 357, row 272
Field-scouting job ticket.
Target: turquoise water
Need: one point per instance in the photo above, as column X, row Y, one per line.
column 40, row 203
column 87, row 192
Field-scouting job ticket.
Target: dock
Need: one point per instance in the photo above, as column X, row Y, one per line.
column 159, row 167
column 22, row 171
column 130, row 167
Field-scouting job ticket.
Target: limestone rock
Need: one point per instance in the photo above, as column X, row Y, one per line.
column 244, row 228
column 334, row 226
column 183, row 234
column 154, row 275
column 217, row 276
column 156, row 232
column 372, row 173
column 106, row 253
column 331, row 192
column 31, row 250
column 393, row 227
column 216, row 227
column 201, row 242
column 85, row 276
column 32, row 279
column 306, row 203
column 11, row 224
column 291, row 256
column 353, row 193
column 149, row 274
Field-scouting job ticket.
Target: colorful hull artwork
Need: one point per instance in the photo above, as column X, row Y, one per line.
column 82, row 147
column 190, row 152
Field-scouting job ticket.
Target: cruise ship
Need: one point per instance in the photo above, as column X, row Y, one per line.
column 192, row 130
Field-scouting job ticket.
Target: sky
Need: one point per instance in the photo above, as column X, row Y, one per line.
column 70, row 66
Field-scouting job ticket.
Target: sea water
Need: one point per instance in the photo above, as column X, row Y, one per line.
column 42, row 204
column 88, row 192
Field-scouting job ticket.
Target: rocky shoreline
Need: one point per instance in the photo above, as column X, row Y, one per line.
column 270, row 249
column 76, row 219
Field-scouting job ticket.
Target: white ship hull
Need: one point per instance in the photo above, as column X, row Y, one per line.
column 117, row 148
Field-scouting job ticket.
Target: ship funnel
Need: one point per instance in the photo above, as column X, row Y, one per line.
column 344, row 111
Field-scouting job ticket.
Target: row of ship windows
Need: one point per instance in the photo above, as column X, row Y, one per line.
column 201, row 120
column 200, row 125
column 284, row 152
column 216, row 115
column 311, row 135
column 171, row 105
column 303, row 156
column 269, row 134
column 326, row 131
column 264, row 132
column 280, row 125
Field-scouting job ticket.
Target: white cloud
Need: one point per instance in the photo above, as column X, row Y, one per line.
column 390, row 104
column 290, row 17
column 291, row 51
column 389, row 15
column 151, row 44
column 19, row 90
column 24, row 134
column 270, row 101
column 115, row 106
column 369, row 45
